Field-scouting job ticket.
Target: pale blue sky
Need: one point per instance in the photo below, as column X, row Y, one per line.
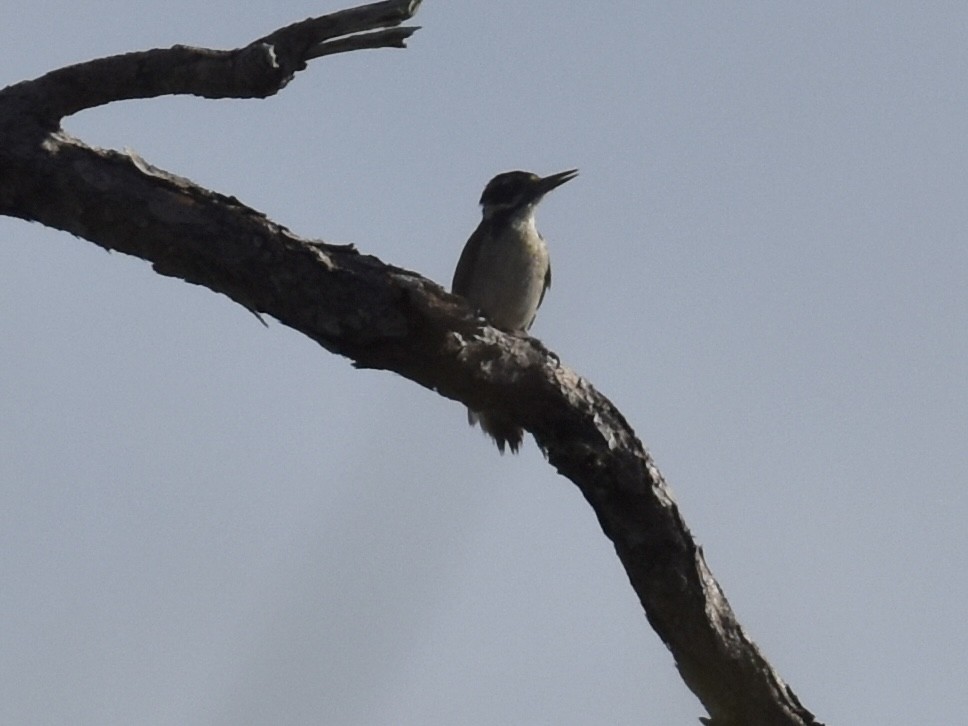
column 763, row 264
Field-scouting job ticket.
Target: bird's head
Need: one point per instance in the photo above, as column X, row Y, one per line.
column 518, row 190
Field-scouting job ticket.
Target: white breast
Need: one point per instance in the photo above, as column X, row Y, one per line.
column 509, row 278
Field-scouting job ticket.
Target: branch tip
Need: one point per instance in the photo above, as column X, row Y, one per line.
column 387, row 38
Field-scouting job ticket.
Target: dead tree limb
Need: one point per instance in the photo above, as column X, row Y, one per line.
column 378, row 315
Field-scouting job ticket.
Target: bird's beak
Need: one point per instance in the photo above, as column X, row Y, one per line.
column 556, row 180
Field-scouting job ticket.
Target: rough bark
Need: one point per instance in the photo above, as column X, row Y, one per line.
column 378, row 315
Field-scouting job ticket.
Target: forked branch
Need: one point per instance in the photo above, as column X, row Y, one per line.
column 259, row 69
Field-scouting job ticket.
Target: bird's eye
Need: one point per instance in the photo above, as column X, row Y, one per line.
column 501, row 194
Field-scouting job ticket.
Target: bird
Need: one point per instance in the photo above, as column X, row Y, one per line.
column 504, row 270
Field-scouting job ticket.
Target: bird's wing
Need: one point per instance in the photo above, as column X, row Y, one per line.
column 547, row 284
column 467, row 262
column 544, row 289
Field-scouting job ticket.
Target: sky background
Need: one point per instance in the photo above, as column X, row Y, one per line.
column 763, row 264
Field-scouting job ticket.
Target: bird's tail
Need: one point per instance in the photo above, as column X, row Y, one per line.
column 504, row 432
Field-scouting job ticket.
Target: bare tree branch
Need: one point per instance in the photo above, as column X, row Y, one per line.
column 378, row 315
column 259, row 69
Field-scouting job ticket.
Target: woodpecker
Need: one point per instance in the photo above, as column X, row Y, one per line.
column 504, row 270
